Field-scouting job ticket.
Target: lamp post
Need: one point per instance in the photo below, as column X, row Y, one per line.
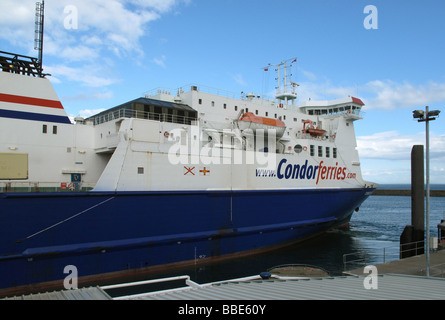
column 427, row 116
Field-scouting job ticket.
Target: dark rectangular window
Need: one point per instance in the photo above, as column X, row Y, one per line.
column 54, row 129
column 320, row 151
column 44, row 128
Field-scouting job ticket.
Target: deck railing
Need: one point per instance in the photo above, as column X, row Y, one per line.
column 359, row 259
column 20, row 64
column 129, row 113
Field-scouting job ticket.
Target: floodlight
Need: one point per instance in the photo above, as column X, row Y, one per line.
column 418, row 114
column 434, row 113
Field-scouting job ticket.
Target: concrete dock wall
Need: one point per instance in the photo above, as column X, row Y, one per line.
column 395, row 192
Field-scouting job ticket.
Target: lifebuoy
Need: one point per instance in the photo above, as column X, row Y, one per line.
column 305, row 148
column 166, row 134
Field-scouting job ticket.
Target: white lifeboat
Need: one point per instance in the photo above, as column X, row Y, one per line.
column 250, row 121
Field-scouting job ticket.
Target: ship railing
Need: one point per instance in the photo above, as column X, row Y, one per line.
column 154, row 93
column 129, row 113
column 192, row 87
column 438, row 270
column 326, row 137
column 358, row 259
column 20, row 64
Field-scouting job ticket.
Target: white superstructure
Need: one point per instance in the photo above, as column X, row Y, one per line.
column 183, row 139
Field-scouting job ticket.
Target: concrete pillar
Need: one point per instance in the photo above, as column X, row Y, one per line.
column 415, row 231
column 417, row 188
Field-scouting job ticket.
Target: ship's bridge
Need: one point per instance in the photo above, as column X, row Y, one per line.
column 144, row 108
column 350, row 106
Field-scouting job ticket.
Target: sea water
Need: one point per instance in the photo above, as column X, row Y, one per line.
column 374, row 231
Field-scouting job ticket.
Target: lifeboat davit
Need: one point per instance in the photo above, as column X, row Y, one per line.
column 250, row 121
column 315, row 132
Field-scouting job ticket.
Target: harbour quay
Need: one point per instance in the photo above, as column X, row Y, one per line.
column 403, row 192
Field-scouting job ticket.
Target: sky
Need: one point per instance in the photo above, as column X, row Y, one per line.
column 102, row 53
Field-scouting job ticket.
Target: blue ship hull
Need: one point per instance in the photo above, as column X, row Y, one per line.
column 107, row 232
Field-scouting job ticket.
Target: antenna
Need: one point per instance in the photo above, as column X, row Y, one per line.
column 38, row 41
column 283, row 93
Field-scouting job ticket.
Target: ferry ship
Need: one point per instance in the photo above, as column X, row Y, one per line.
column 171, row 178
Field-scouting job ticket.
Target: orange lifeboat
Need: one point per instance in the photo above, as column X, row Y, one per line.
column 250, row 121
column 315, row 132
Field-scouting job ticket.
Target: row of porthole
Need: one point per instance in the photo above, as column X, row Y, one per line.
column 298, row 148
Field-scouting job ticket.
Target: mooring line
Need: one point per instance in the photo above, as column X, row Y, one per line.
column 63, row 221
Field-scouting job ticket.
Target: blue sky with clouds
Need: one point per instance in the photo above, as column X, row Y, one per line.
column 119, row 49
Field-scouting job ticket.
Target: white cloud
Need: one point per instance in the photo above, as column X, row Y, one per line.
column 390, row 95
column 376, row 94
column 239, row 79
column 160, row 61
column 112, row 26
column 323, row 91
column 87, row 75
column 90, row 112
column 159, row 5
column 391, row 145
column 309, row 75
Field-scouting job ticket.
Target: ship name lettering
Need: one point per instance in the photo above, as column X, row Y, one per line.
column 318, row 172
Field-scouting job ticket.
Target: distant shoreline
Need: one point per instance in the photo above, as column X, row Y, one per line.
column 405, row 192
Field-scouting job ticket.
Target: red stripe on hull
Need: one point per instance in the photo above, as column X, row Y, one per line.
column 30, row 101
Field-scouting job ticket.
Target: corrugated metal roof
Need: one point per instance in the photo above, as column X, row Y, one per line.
column 389, row 287
column 91, row 293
